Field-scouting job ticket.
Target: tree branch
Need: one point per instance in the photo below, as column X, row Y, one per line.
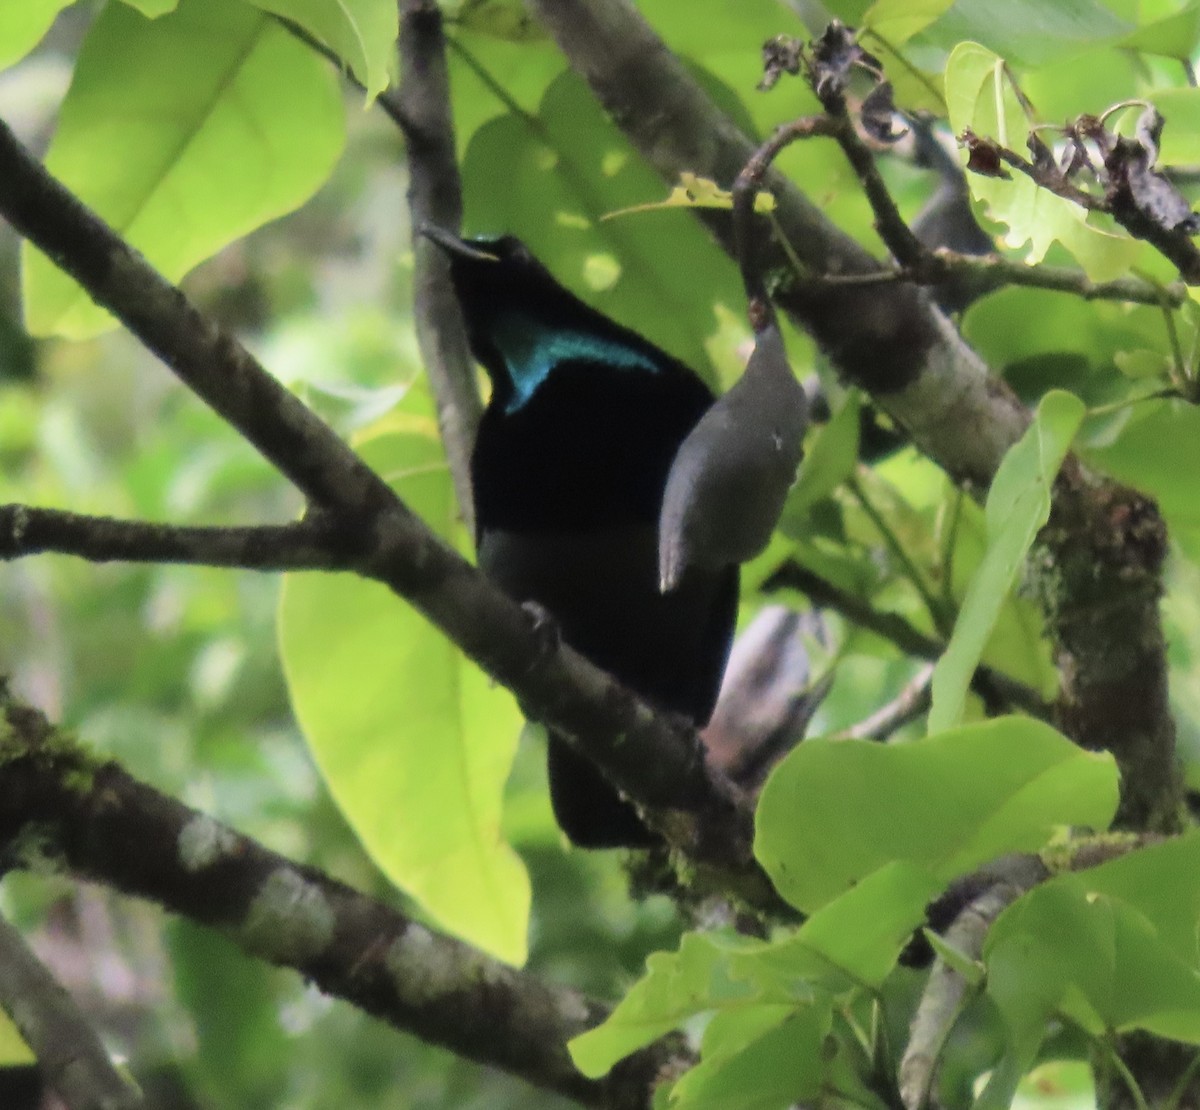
column 311, row 544
column 912, row 702
column 996, row 688
column 947, row 991
column 435, row 197
column 71, row 1058
column 94, row 821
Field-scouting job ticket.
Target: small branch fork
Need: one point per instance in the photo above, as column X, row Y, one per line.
column 920, row 265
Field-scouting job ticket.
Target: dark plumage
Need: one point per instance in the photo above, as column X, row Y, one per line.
column 568, row 471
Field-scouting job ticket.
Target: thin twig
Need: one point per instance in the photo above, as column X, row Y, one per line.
column 941, row 620
column 908, row 705
column 745, row 189
column 71, row 1057
column 993, row 686
column 989, row 272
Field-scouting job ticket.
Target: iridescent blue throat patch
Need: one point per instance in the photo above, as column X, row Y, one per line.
column 531, row 350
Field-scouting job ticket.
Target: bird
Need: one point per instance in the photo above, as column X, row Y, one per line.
column 568, row 471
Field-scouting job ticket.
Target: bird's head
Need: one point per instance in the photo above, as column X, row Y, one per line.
column 493, row 274
column 521, row 323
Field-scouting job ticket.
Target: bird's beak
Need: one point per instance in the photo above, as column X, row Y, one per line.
column 453, row 245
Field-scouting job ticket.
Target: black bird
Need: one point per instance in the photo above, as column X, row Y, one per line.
column 568, row 472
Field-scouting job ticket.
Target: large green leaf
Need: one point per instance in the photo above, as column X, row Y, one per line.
column 1018, row 505
column 898, row 20
column 677, row 985
column 833, row 812
column 362, row 33
column 1112, row 949
column 184, row 133
column 22, row 25
column 1175, row 35
column 413, row 740
column 979, row 97
column 551, row 178
column 1030, row 30
column 852, row 942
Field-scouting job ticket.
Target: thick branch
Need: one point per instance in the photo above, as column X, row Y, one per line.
column 305, row 545
column 435, row 197
column 656, row 759
column 71, row 1058
column 97, row 822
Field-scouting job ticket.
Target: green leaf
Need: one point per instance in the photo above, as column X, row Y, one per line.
column 561, row 172
column 898, row 20
column 831, row 456
column 414, row 742
column 1018, row 504
column 1173, row 36
column 970, row 970
column 979, row 97
column 22, row 25
column 855, row 939
column 362, row 33
column 676, row 986
column 1162, row 882
column 852, row 942
column 184, row 133
column 781, row 1066
column 1143, row 363
column 833, row 812
column 14, row 1052
column 1029, row 31
column 1111, row 949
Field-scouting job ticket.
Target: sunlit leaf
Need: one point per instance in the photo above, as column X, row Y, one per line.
column 898, row 20
column 184, row 133
column 362, row 33
column 979, row 96
column 414, row 742
column 13, row 1049
column 1018, row 505
column 833, row 812
column 22, row 25
column 1109, row 948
